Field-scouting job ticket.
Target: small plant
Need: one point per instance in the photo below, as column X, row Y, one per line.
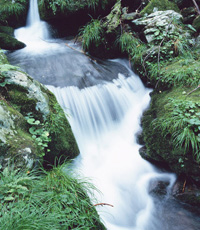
column 39, row 132
column 129, row 44
column 92, row 33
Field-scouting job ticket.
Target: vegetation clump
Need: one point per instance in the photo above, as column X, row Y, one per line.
column 45, row 200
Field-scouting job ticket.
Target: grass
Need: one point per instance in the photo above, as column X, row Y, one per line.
column 45, row 200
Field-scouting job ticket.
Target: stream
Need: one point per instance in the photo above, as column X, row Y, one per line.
column 104, row 101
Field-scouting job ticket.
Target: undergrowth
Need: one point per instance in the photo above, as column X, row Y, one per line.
column 181, row 122
column 57, row 6
column 45, row 200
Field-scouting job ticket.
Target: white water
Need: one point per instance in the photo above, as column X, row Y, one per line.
column 35, row 34
column 105, row 119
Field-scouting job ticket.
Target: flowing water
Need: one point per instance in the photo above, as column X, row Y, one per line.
column 105, row 101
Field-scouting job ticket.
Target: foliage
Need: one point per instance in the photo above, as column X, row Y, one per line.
column 181, row 72
column 130, row 44
column 92, row 33
column 9, row 7
column 160, row 5
column 70, row 5
column 39, row 132
column 182, row 123
column 45, row 200
column 169, row 60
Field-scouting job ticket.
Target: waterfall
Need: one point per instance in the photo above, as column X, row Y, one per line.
column 36, row 32
column 33, row 14
column 105, row 119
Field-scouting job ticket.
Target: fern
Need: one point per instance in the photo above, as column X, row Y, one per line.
column 92, row 33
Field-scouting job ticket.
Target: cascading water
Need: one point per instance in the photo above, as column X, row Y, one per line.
column 105, row 102
column 105, row 119
column 36, row 31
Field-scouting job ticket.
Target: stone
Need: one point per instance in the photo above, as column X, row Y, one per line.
column 156, row 25
column 24, row 96
column 8, row 42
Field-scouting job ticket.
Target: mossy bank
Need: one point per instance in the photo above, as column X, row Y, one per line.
column 33, row 125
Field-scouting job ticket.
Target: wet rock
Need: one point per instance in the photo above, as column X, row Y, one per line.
column 157, row 23
column 8, row 42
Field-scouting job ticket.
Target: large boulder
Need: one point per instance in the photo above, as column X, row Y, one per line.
column 32, row 124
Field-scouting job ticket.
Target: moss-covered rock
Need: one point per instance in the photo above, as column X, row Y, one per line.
column 159, row 5
column 161, row 143
column 63, row 143
column 16, row 144
column 8, row 42
column 45, row 131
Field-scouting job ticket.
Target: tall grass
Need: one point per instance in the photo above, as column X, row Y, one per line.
column 45, row 200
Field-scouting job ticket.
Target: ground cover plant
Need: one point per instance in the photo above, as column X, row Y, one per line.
column 45, row 200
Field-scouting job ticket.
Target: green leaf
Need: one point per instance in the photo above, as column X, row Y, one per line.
column 32, row 130
column 31, row 121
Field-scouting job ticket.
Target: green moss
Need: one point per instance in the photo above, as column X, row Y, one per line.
column 15, row 131
column 8, row 42
column 161, row 5
column 18, row 97
column 160, row 144
column 62, row 142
